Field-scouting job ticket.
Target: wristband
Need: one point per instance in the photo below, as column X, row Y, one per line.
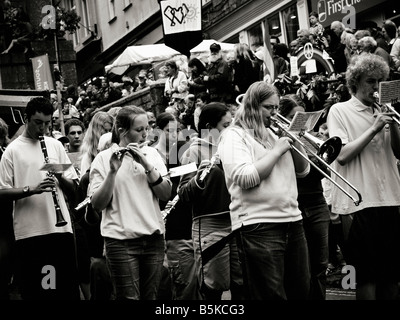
column 157, row 182
column 148, row 171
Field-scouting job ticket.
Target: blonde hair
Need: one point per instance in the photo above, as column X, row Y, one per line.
column 93, row 133
column 249, row 114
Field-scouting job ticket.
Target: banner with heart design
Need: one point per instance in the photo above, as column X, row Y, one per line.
column 181, row 21
column 181, row 15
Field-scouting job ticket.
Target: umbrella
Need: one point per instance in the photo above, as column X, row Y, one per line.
column 137, row 55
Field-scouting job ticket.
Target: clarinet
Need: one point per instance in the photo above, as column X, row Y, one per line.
column 60, row 219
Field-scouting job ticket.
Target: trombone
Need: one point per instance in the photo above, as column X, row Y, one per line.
column 327, row 152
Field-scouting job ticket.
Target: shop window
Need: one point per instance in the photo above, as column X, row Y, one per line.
column 255, row 37
column 291, row 21
column 274, row 26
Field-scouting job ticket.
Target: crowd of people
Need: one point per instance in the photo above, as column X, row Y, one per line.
column 256, row 216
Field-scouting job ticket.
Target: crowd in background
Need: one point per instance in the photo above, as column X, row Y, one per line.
column 199, row 99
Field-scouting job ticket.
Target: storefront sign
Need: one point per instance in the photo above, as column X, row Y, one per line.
column 340, row 10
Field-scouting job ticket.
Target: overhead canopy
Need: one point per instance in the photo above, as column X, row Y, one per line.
column 204, row 46
column 148, row 54
column 144, row 54
column 19, row 98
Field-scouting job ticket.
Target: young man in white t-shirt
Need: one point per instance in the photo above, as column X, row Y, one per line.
column 45, row 253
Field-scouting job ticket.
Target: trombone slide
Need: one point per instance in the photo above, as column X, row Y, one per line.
column 320, row 159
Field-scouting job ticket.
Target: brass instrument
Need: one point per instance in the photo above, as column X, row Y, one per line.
column 60, row 222
column 328, row 151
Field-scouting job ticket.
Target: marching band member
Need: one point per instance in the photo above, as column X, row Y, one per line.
column 126, row 183
column 371, row 144
column 260, row 175
column 314, row 209
column 215, row 247
column 43, row 250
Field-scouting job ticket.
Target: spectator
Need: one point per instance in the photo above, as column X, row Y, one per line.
column 219, row 76
column 303, row 37
column 128, row 86
column 335, row 49
column 361, row 34
column 142, row 80
column 197, row 71
column 340, row 30
column 316, row 28
column 369, row 45
column 202, row 99
column 389, row 35
column 246, row 69
column 395, row 53
column 293, row 47
column 187, row 116
column 280, row 56
column 176, row 86
column 351, row 48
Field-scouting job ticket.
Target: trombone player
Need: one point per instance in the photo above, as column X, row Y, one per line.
column 371, row 144
column 260, row 175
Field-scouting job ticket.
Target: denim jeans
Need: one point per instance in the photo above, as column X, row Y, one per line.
column 316, row 222
column 221, row 271
column 136, row 266
column 181, row 264
column 274, row 258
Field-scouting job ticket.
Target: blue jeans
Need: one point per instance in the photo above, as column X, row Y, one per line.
column 181, row 264
column 221, row 271
column 136, row 266
column 274, row 258
column 316, row 221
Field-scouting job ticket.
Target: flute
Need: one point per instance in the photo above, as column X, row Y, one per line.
column 207, row 170
column 168, row 210
column 83, row 204
column 59, row 216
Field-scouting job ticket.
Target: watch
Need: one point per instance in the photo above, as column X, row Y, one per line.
column 25, row 189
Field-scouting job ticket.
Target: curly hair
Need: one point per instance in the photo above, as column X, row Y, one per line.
column 365, row 64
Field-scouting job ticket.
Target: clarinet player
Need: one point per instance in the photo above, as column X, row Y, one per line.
column 45, row 253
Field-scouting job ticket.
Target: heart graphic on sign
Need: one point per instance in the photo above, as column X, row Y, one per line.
column 174, row 14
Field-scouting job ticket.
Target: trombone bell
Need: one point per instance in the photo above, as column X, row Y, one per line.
column 330, row 149
column 327, row 150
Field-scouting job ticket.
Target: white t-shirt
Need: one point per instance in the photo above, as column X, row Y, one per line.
column 271, row 200
column 19, row 167
column 373, row 172
column 134, row 210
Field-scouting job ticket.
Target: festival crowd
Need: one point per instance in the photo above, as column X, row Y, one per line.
column 114, row 208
